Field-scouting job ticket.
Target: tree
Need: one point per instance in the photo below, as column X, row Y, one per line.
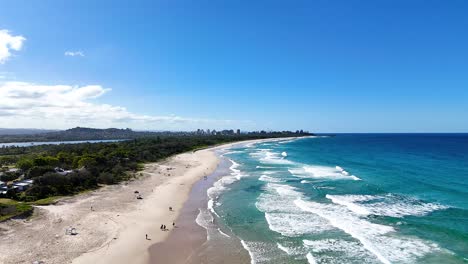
column 86, row 162
column 65, row 157
column 37, row 171
column 46, row 161
column 25, row 164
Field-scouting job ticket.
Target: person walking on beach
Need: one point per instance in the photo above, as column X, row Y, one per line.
column 146, row 236
column 173, row 224
column 161, row 227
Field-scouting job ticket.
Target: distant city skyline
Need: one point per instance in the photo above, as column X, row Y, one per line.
column 321, row 66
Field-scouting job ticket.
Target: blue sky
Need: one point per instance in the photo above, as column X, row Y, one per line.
column 324, row 66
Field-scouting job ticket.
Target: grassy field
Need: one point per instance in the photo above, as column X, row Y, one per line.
column 10, row 208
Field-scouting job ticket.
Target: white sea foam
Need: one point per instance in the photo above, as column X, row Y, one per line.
column 222, row 233
column 205, row 220
column 283, row 248
column 292, row 250
column 381, row 240
column 283, row 216
column 233, row 152
column 266, row 156
column 385, row 205
column 250, row 145
column 349, row 251
column 201, row 220
column 293, row 225
column 325, row 187
column 325, row 172
column 246, row 247
column 210, row 207
column 264, row 167
column 259, row 252
column 266, row 178
column 286, row 141
column 305, row 181
column 260, row 152
column 221, row 185
column 310, row 258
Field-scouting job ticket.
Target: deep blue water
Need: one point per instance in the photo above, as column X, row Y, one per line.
column 352, row 198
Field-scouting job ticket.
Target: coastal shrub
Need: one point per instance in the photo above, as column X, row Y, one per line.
column 9, row 176
column 37, row 171
column 82, row 180
column 46, row 161
column 59, row 184
column 106, row 178
column 40, row 191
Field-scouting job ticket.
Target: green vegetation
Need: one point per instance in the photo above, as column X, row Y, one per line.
column 67, row 169
column 10, row 208
column 46, row 201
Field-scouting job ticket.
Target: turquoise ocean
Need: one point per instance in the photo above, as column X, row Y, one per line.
column 349, row 198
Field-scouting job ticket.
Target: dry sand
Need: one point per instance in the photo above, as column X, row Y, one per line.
column 115, row 230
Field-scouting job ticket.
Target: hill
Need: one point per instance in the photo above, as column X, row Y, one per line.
column 24, row 131
column 78, row 133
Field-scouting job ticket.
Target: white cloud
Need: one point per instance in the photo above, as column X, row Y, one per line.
column 25, row 104
column 9, row 42
column 74, row 53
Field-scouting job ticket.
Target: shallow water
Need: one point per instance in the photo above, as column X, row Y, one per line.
column 367, row 198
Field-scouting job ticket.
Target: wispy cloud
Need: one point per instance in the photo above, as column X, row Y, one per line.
column 9, row 42
column 74, row 53
column 25, row 104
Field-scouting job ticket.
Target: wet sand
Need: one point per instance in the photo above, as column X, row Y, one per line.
column 188, row 242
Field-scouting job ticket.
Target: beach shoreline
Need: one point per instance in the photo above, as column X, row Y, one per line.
column 111, row 223
column 189, row 243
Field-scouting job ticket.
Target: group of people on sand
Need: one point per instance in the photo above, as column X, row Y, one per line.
column 164, row 228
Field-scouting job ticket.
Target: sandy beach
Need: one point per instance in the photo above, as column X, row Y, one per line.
column 115, row 230
column 112, row 225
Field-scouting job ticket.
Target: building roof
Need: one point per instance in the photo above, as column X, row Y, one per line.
column 22, row 184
